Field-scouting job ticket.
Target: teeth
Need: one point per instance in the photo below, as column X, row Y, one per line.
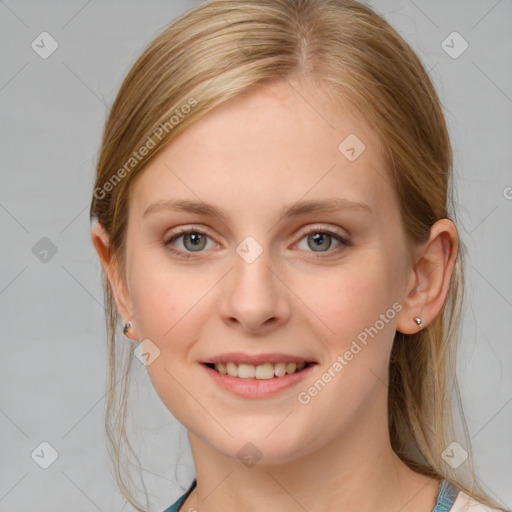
column 291, row 367
column 280, row 369
column 261, row 371
column 247, row 371
column 232, row 369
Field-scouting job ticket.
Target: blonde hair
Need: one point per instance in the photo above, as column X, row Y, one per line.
column 224, row 47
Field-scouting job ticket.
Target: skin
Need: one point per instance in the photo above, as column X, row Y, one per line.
column 250, row 156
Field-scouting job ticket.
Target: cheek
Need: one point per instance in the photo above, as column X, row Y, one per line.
column 161, row 293
column 358, row 312
column 170, row 307
column 356, row 303
column 351, row 297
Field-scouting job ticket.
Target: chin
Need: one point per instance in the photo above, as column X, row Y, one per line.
column 261, row 444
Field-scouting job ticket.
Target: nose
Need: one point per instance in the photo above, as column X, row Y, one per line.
column 254, row 297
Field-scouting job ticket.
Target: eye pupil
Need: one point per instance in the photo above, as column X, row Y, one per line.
column 319, row 240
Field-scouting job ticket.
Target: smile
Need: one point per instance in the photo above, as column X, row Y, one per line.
column 259, row 381
column 263, row 371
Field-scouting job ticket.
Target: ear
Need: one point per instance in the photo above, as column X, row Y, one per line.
column 430, row 277
column 101, row 242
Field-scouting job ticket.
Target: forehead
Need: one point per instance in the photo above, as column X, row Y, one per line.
column 274, row 144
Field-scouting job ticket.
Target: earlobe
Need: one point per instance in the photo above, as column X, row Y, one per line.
column 101, row 241
column 430, row 278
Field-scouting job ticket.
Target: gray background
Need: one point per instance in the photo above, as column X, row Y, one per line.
column 52, row 374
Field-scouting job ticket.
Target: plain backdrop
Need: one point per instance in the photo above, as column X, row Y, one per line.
column 53, row 364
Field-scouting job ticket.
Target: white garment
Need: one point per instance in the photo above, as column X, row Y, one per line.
column 465, row 503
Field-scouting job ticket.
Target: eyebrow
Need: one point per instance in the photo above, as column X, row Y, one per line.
column 293, row 209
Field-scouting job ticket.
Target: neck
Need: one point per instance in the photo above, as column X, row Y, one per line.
column 356, row 471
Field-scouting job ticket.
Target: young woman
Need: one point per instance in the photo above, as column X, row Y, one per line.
column 272, row 211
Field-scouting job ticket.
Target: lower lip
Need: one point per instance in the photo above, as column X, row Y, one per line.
column 256, row 388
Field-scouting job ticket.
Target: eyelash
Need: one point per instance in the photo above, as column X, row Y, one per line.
column 189, row 254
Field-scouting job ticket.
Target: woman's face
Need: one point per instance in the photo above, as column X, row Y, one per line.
column 321, row 285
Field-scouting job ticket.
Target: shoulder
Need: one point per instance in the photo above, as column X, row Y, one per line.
column 465, row 503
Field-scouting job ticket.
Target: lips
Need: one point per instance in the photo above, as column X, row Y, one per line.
column 249, row 387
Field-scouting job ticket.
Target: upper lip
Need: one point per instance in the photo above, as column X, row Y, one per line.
column 256, row 359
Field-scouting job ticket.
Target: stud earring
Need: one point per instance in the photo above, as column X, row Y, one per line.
column 127, row 327
column 417, row 319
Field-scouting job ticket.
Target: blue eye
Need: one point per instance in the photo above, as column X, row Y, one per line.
column 194, row 240
column 322, row 240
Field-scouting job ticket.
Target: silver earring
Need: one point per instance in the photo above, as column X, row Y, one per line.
column 417, row 319
column 127, row 327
